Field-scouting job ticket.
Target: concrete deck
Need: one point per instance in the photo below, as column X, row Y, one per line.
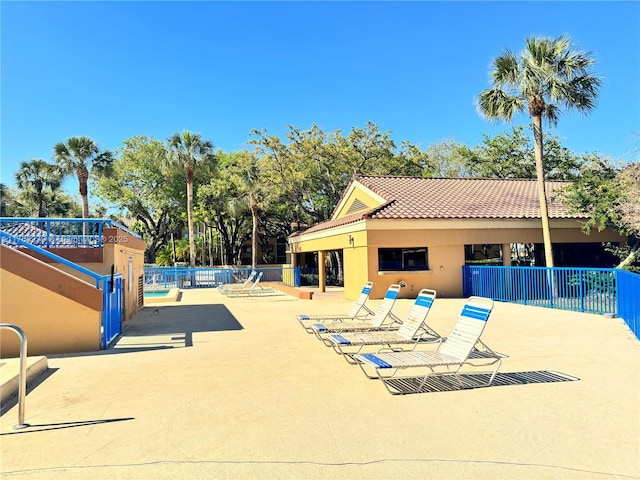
column 211, row 387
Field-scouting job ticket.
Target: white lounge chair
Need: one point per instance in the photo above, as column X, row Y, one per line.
column 379, row 321
column 254, row 290
column 234, row 286
column 243, row 289
column 359, row 311
column 413, row 331
column 450, row 356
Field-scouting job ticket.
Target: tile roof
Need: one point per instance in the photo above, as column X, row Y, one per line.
column 455, row 198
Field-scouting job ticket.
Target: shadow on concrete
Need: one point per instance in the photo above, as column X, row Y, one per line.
column 11, row 401
column 173, row 326
column 164, row 327
column 31, row 428
column 466, row 381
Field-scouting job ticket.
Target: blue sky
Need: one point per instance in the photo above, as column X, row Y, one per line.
column 112, row 70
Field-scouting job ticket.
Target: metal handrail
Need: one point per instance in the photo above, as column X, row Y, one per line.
column 22, row 375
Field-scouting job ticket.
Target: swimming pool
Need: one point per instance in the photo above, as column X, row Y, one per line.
column 162, row 295
column 156, row 293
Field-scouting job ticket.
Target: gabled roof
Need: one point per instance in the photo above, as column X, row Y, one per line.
column 453, row 198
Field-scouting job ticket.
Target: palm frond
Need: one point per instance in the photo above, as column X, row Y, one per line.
column 551, row 113
column 496, row 104
column 506, row 70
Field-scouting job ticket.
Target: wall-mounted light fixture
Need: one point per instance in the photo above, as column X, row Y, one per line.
column 351, row 240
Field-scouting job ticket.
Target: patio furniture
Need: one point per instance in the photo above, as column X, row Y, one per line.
column 253, row 290
column 413, row 330
column 235, row 286
column 452, row 354
column 359, row 311
column 379, row 321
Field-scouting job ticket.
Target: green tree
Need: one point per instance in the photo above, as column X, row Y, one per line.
column 221, row 206
column 81, row 155
column 610, row 196
column 7, row 201
column 245, row 168
column 145, row 186
column 58, row 203
column 448, row 158
column 510, row 155
column 36, row 175
column 314, row 167
column 188, row 149
column 547, row 74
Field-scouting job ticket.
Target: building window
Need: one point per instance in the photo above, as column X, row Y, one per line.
column 401, row 259
column 281, row 250
column 483, row 254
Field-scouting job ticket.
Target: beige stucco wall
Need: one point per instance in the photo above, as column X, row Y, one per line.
column 356, row 273
column 59, row 313
column 444, row 274
column 445, row 240
column 118, row 246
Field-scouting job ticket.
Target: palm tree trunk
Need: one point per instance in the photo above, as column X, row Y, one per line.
column 254, row 231
column 41, row 212
column 192, row 243
column 542, row 194
column 633, row 254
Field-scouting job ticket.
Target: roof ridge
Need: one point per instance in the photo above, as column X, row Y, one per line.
column 547, row 180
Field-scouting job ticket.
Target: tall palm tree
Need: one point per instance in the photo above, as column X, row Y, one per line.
column 34, row 176
column 247, row 172
column 188, row 149
column 82, row 156
column 547, row 75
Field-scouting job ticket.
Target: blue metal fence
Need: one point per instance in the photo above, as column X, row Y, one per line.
column 111, row 286
column 592, row 290
column 629, row 300
column 157, row 278
column 60, row 232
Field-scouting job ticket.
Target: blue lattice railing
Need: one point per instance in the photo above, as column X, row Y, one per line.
column 592, row 290
column 60, row 232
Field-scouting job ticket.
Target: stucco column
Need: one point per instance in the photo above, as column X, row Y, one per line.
column 506, row 254
column 322, row 278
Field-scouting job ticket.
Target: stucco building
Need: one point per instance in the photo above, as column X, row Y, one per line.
column 421, row 231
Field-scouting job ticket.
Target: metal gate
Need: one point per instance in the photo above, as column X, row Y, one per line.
column 112, row 309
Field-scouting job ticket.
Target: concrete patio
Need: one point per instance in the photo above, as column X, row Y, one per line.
column 210, row 387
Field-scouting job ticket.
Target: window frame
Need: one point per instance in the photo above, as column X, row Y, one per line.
column 404, row 254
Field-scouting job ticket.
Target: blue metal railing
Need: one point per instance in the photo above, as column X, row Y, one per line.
column 111, row 287
column 60, row 232
column 592, row 290
column 156, row 278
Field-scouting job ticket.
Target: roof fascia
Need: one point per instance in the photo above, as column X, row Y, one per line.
column 463, row 224
column 358, row 226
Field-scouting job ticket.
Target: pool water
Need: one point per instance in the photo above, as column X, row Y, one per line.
column 156, row 294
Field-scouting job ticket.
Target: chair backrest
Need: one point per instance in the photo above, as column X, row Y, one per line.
column 249, row 278
column 418, row 314
column 468, row 328
column 256, row 281
column 361, row 300
column 385, row 307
